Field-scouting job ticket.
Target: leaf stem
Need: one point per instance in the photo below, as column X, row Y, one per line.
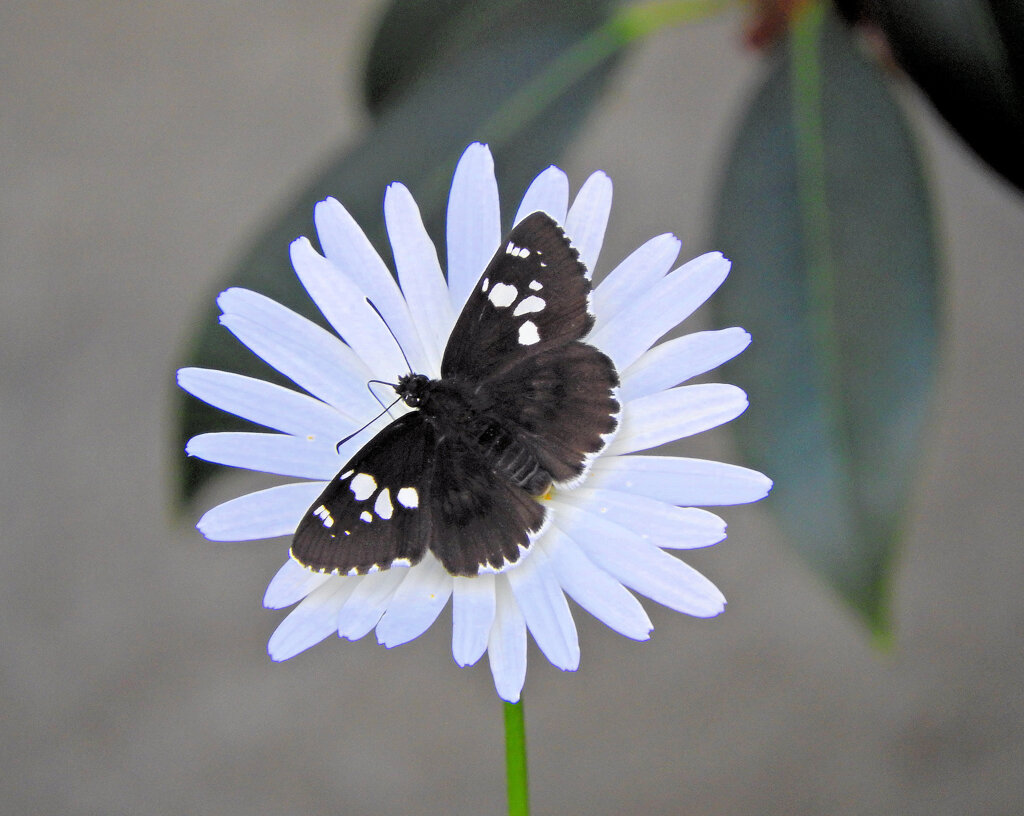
column 626, row 26
column 515, row 760
column 808, row 127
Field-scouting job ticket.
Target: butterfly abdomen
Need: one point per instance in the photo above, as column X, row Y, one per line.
column 509, row 456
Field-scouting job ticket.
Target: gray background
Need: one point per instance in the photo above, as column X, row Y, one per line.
column 142, row 144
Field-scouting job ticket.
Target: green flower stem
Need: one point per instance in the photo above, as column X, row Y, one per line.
column 515, row 760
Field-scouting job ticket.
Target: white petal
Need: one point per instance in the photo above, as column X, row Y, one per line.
column 661, row 308
column 669, row 415
column 642, row 566
column 679, row 480
column 644, row 267
column 283, row 454
column 275, row 511
column 506, row 646
column 472, row 615
column 419, row 273
column 415, row 604
column 291, row 584
column 348, row 248
column 665, row 525
column 549, row 193
column 588, row 218
column 595, row 590
column 474, row 222
column 346, row 308
column 264, row 403
column 368, row 602
column 545, row 610
column 310, row 356
column 677, row 360
column 311, row 621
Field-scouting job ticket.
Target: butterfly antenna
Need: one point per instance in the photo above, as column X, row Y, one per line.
column 368, row 424
column 386, row 326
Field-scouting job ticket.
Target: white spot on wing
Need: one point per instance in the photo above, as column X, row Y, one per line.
column 517, row 251
column 528, row 334
column 536, row 286
column 363, row 486
column 408, row 497
column 484, row 284
column 528, row 306
column 383, row 507
column 364, row 516
column 324, row 515
column 503, row 295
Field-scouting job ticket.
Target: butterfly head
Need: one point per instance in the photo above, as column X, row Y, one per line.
column 412, row 388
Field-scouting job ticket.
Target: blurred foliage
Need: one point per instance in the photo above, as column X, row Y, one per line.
column 822, row 207
column 824, row 212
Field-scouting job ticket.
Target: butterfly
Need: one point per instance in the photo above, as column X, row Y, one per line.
column 522, row 404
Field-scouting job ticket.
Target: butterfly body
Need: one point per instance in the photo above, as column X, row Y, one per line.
column 522, row 403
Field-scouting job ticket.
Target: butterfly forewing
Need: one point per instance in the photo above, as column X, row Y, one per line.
column 374, row 514
column 532, row 295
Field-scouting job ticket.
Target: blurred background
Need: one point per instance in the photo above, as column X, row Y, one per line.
column 143, row 146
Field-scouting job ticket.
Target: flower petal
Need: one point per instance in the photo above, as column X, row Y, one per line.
column 634, row 329
column 677, row 360
column 310, row 356
column 348, row 248
column 472, row 616
column 283, row 454
column 587, row 218
column 665, row 525
column 346, row 308
column 368, row 602
column 416, row 603
column 545, row 610
column 419, row 272
column 262, row 402
column 679, row 480
column 291, row 584
column 474, row 222
column 641, row 566
column 506, row 646
column 644, row 267
column 669, row 415
column 595, row 590
column 311, row 621
column 549, row 193
column 268, row 513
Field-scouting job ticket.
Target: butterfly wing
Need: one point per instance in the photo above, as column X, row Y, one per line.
column 480, row 521
column 518, row 340
column 375, row 513
column 532, row 296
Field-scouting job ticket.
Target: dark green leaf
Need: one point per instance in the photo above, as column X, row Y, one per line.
column 416, row 140
column 843, row 325
column 417, row 37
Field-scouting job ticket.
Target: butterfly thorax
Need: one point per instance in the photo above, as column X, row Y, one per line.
column 459, row 410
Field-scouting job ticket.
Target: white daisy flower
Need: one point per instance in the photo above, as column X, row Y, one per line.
column 606, row 538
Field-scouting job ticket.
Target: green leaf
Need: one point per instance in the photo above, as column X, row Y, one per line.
column 417, row 37
column 824, row 212
column 475, row 93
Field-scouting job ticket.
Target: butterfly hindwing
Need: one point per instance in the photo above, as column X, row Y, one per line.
column 481, row 521
column 375, row 513
column 561, row 405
